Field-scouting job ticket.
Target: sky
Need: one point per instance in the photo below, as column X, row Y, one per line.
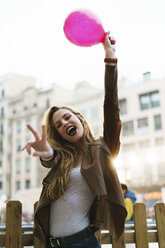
column 33, row 42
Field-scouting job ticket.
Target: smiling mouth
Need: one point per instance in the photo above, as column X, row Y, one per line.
column 71, row 130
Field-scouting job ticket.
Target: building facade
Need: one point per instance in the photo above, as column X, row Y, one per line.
column 142, row 156
column 141, row 161
column 29, row 107
column 10, row 84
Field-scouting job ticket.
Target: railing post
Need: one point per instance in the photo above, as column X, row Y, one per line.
column 160, row 222
column 140, row 223
column 13, row 236
column 36, row 241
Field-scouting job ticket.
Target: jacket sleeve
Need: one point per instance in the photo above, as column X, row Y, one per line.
column 50, row 163
column 112, row 123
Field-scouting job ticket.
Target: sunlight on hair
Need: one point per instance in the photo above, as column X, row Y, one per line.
column 118, row 162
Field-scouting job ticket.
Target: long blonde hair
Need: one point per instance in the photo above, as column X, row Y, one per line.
column 65, row 150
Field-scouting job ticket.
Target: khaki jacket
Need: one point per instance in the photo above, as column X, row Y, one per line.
column 108, row 210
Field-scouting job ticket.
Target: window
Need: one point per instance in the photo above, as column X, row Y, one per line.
column 25, row 108
column 18, row 145
column 123, row 106
column 1, row 129
column 19, row 126
column 27, row 164
column 159, row 141
column 28, row 121
column 149, row 100
column 161, row 172
column 128, row 147
column 1, row 146
column 35, row 105
column 128, row 128
column 155, row 99
column 1, row 185
column 27, row 184
column 143, row 122
column 18, row 185
column 144, row 144
column 3, row 93
column 18, row 166
column 2, row 112
column 157, row 122
column 0, row 163
column 147, row 180
column 47, row 103
column 144, row 102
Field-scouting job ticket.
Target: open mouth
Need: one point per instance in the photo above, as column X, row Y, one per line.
column 71, row 130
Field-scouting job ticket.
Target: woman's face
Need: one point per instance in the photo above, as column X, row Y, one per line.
column 68, row 125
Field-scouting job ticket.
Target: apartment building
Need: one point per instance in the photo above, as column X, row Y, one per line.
column 29, row 107
column 142, row 156
column 141, row 161
column 10, row 85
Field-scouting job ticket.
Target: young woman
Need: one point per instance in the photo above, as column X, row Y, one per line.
column 81, row 192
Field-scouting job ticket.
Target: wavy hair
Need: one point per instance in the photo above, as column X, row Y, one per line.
column 66, row 151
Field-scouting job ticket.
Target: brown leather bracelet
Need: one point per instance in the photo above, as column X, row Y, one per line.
column 109, row 60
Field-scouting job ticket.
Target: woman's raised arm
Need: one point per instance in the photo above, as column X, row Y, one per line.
column 112, row 123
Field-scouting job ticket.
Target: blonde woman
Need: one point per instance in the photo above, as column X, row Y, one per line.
column 81, row 192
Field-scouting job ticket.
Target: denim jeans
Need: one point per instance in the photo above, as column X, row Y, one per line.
column 90, row 242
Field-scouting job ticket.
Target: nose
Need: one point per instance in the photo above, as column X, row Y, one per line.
column 64, row 122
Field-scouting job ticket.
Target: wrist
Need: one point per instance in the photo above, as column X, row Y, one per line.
column 110, row 53
column 111, row 60
column 49, row 157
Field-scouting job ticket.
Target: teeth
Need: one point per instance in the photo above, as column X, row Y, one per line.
column 69, row 129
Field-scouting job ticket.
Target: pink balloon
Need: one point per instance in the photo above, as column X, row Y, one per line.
column 83, row 28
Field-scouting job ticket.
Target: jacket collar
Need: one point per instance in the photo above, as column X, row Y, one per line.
column 101, row 142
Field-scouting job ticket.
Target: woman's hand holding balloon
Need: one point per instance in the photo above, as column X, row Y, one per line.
column 109, row 46
column 40, row 145
column 83, row 28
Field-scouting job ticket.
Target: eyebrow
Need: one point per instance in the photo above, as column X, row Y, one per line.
column 62, row 117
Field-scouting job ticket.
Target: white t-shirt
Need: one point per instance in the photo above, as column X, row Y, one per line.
column 70, row 213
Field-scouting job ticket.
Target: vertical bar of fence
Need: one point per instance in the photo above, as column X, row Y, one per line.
column 140, row 223
column 35, row 239
column 160, row 222
column 13, row 236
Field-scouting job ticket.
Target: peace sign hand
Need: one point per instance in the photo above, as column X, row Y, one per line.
column 40, row 145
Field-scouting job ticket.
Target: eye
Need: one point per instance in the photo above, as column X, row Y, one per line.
column 58, row 125
column 67, row 117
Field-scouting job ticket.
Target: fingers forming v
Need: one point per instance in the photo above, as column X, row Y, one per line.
column 44, row 134
column 27, row 147
column 34, row 132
